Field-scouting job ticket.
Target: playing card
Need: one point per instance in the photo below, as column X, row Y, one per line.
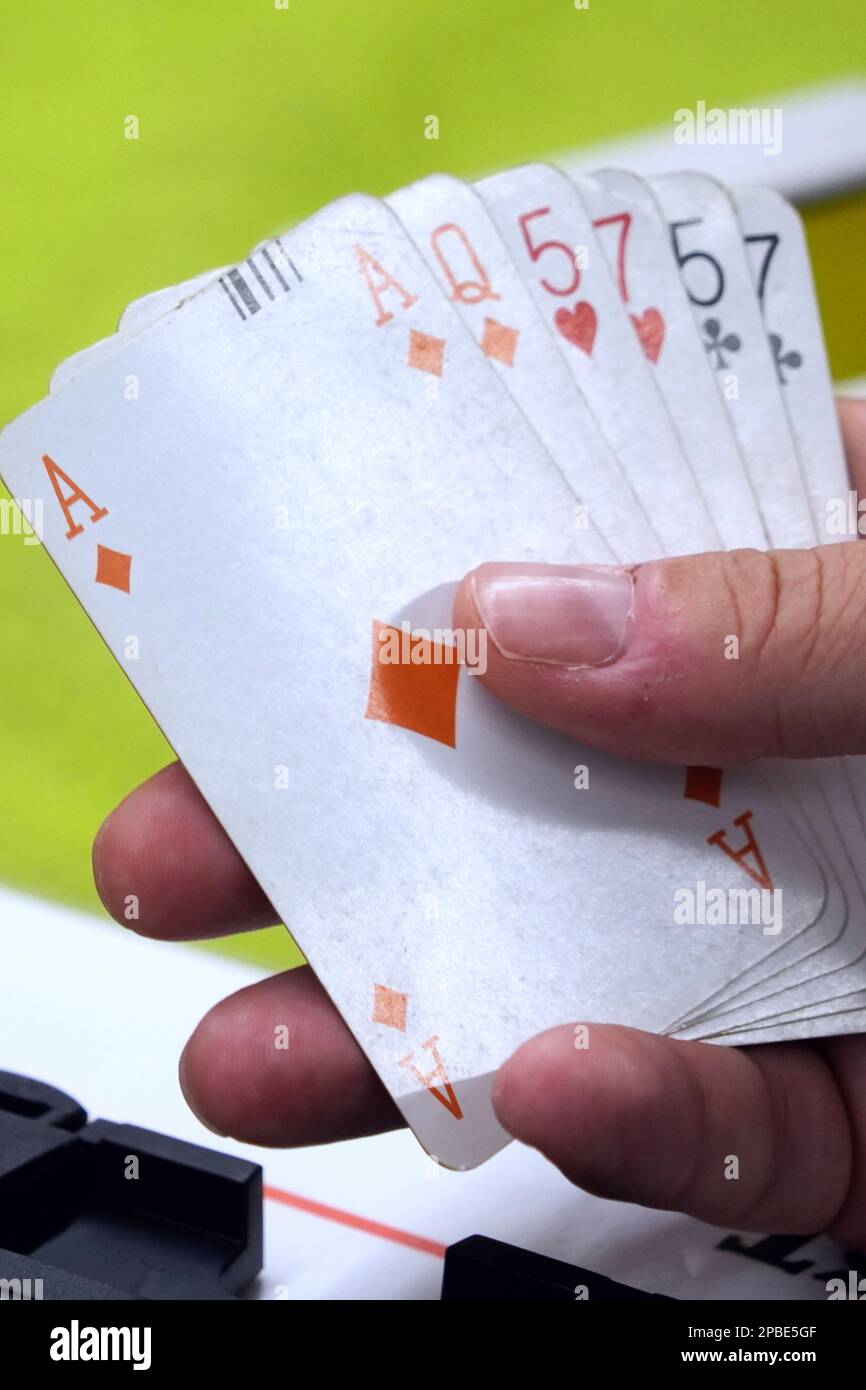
column 250, row 534
column 779, row 260
column 152, row 305
column 782, row 277
column 636, row 241
column 782, row 274
column 438, row 215
column 702, row 209
column 709, row 250
column 549, row 234
column 734, row 510
column 434, row 202
column 452, row 229
column 784, row 982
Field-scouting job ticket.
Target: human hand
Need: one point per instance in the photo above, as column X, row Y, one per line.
column 629, row 662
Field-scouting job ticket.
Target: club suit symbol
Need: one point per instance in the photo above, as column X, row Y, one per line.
column 790, row 359
column 717, row 346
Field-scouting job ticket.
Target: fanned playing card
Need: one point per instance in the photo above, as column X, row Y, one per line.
column 268, row 532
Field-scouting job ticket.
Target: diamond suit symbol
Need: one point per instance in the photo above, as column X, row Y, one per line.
column 113, row 568
column 389, row 1007
column 500, row 341
column 426, row 352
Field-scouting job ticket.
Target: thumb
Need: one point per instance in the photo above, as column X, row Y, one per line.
column 653, row 1120
column 703, row 659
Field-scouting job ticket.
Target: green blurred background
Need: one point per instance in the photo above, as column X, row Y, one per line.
column 251, row 116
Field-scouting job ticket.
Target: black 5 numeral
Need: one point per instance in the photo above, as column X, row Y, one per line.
column 684, row 258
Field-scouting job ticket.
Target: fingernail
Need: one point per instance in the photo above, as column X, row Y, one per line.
column 565, row 615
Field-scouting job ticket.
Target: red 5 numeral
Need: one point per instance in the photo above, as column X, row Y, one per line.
column 538, row 250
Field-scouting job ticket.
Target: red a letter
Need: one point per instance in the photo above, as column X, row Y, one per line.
column 386, row 282
column 449, row 1100
column 68, row 502
column 759, row 873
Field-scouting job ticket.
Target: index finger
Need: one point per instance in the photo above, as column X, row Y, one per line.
column 164, row 846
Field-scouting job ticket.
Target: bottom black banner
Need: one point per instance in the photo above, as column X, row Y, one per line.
column 238, row 1336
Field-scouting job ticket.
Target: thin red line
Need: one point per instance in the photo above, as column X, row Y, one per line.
column 359, row 1223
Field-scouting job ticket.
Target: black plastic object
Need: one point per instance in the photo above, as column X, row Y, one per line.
column 479, row 1268
column 104, row 1210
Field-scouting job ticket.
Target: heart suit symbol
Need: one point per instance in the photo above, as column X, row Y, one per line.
column 578, row 325
column 651, row 330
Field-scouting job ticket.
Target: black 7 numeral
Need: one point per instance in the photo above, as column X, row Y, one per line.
column 772, row 240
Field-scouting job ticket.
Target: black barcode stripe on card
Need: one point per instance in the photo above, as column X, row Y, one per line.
column 254, row 268
column 237, row 308
column 270, row 262
column 287, row 257
column 263, row 273
column 244, row 292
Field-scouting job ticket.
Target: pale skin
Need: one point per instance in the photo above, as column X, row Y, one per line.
column 634, row 1116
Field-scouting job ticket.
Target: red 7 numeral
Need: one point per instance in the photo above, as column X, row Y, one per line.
column 624, row 219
